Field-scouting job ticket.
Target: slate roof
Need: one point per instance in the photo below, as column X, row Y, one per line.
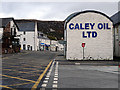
column 26, row 25
column 5, row 21
column 116, row 18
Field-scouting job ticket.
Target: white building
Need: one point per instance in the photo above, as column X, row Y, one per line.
column 33, row 39
column 116, row 22
column 43, row 41
column 56, row 46
column 28, row 35
column 91, row 29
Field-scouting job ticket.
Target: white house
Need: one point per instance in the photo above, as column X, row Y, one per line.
column 116, row 22
column 88, row 36
column 30, row 37
column 27, row 34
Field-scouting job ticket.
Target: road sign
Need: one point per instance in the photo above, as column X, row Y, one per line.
column 83, row 44
column 42, row 43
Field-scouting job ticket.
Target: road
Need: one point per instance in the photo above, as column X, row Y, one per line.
column 35, row 70
column 22, row 70
column 82, row 75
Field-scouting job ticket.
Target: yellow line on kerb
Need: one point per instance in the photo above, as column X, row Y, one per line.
column 18, row 78
column 41, row 76
column 7, row 87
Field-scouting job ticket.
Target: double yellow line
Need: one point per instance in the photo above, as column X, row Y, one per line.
column 41, row 76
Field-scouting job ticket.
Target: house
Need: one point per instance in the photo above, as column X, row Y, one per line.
column 43, row 41
column 10, row 42
column 30, row 37
column 27, row 34
column 116, row 22
column 33, row 35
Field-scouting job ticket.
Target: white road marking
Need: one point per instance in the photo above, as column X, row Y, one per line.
column 56, row 74
column 48, row 74
column 55, row 82
column 46, row 78
column 54, row 85
column 77, row 63
column 44, row 85
column 45, row 81
column 55, row 78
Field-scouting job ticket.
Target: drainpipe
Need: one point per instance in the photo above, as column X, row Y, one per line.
column 35, row 37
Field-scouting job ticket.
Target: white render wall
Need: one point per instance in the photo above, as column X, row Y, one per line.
column 1, row 33
column 98, row 48
column 13, row 24
column 29, row 36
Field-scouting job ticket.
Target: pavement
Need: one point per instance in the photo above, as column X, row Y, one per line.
column 82, row 75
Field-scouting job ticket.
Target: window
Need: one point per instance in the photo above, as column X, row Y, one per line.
column 41, row 35
column 24, row 47
column 24, row 32
column 11, row 31
column 38, row 34
column 15, row 31
column 23, row 39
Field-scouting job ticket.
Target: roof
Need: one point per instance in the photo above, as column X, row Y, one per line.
column 26, row 25
column 5, row 21
column 77, row 13
column 43, row 38
column 116, row 18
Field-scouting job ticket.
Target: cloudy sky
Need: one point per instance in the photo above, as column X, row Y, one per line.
column 53, row 10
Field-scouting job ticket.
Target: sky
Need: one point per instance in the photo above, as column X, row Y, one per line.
column 53, row 10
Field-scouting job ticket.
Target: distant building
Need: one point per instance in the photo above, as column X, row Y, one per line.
column 44, row 41
column 10, row 42
column 116, row 22
column 30, row 37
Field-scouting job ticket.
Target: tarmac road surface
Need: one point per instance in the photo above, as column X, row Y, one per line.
column 22, row 70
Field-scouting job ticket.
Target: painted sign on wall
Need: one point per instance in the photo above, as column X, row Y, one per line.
column 89, row 26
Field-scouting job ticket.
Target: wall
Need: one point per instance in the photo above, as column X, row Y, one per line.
column 117, row 40
column 30, row 39
column 29, row 36
column 98, row 48
column 1, row 33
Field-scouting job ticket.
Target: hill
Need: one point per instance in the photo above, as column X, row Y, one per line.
column 53, row 29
